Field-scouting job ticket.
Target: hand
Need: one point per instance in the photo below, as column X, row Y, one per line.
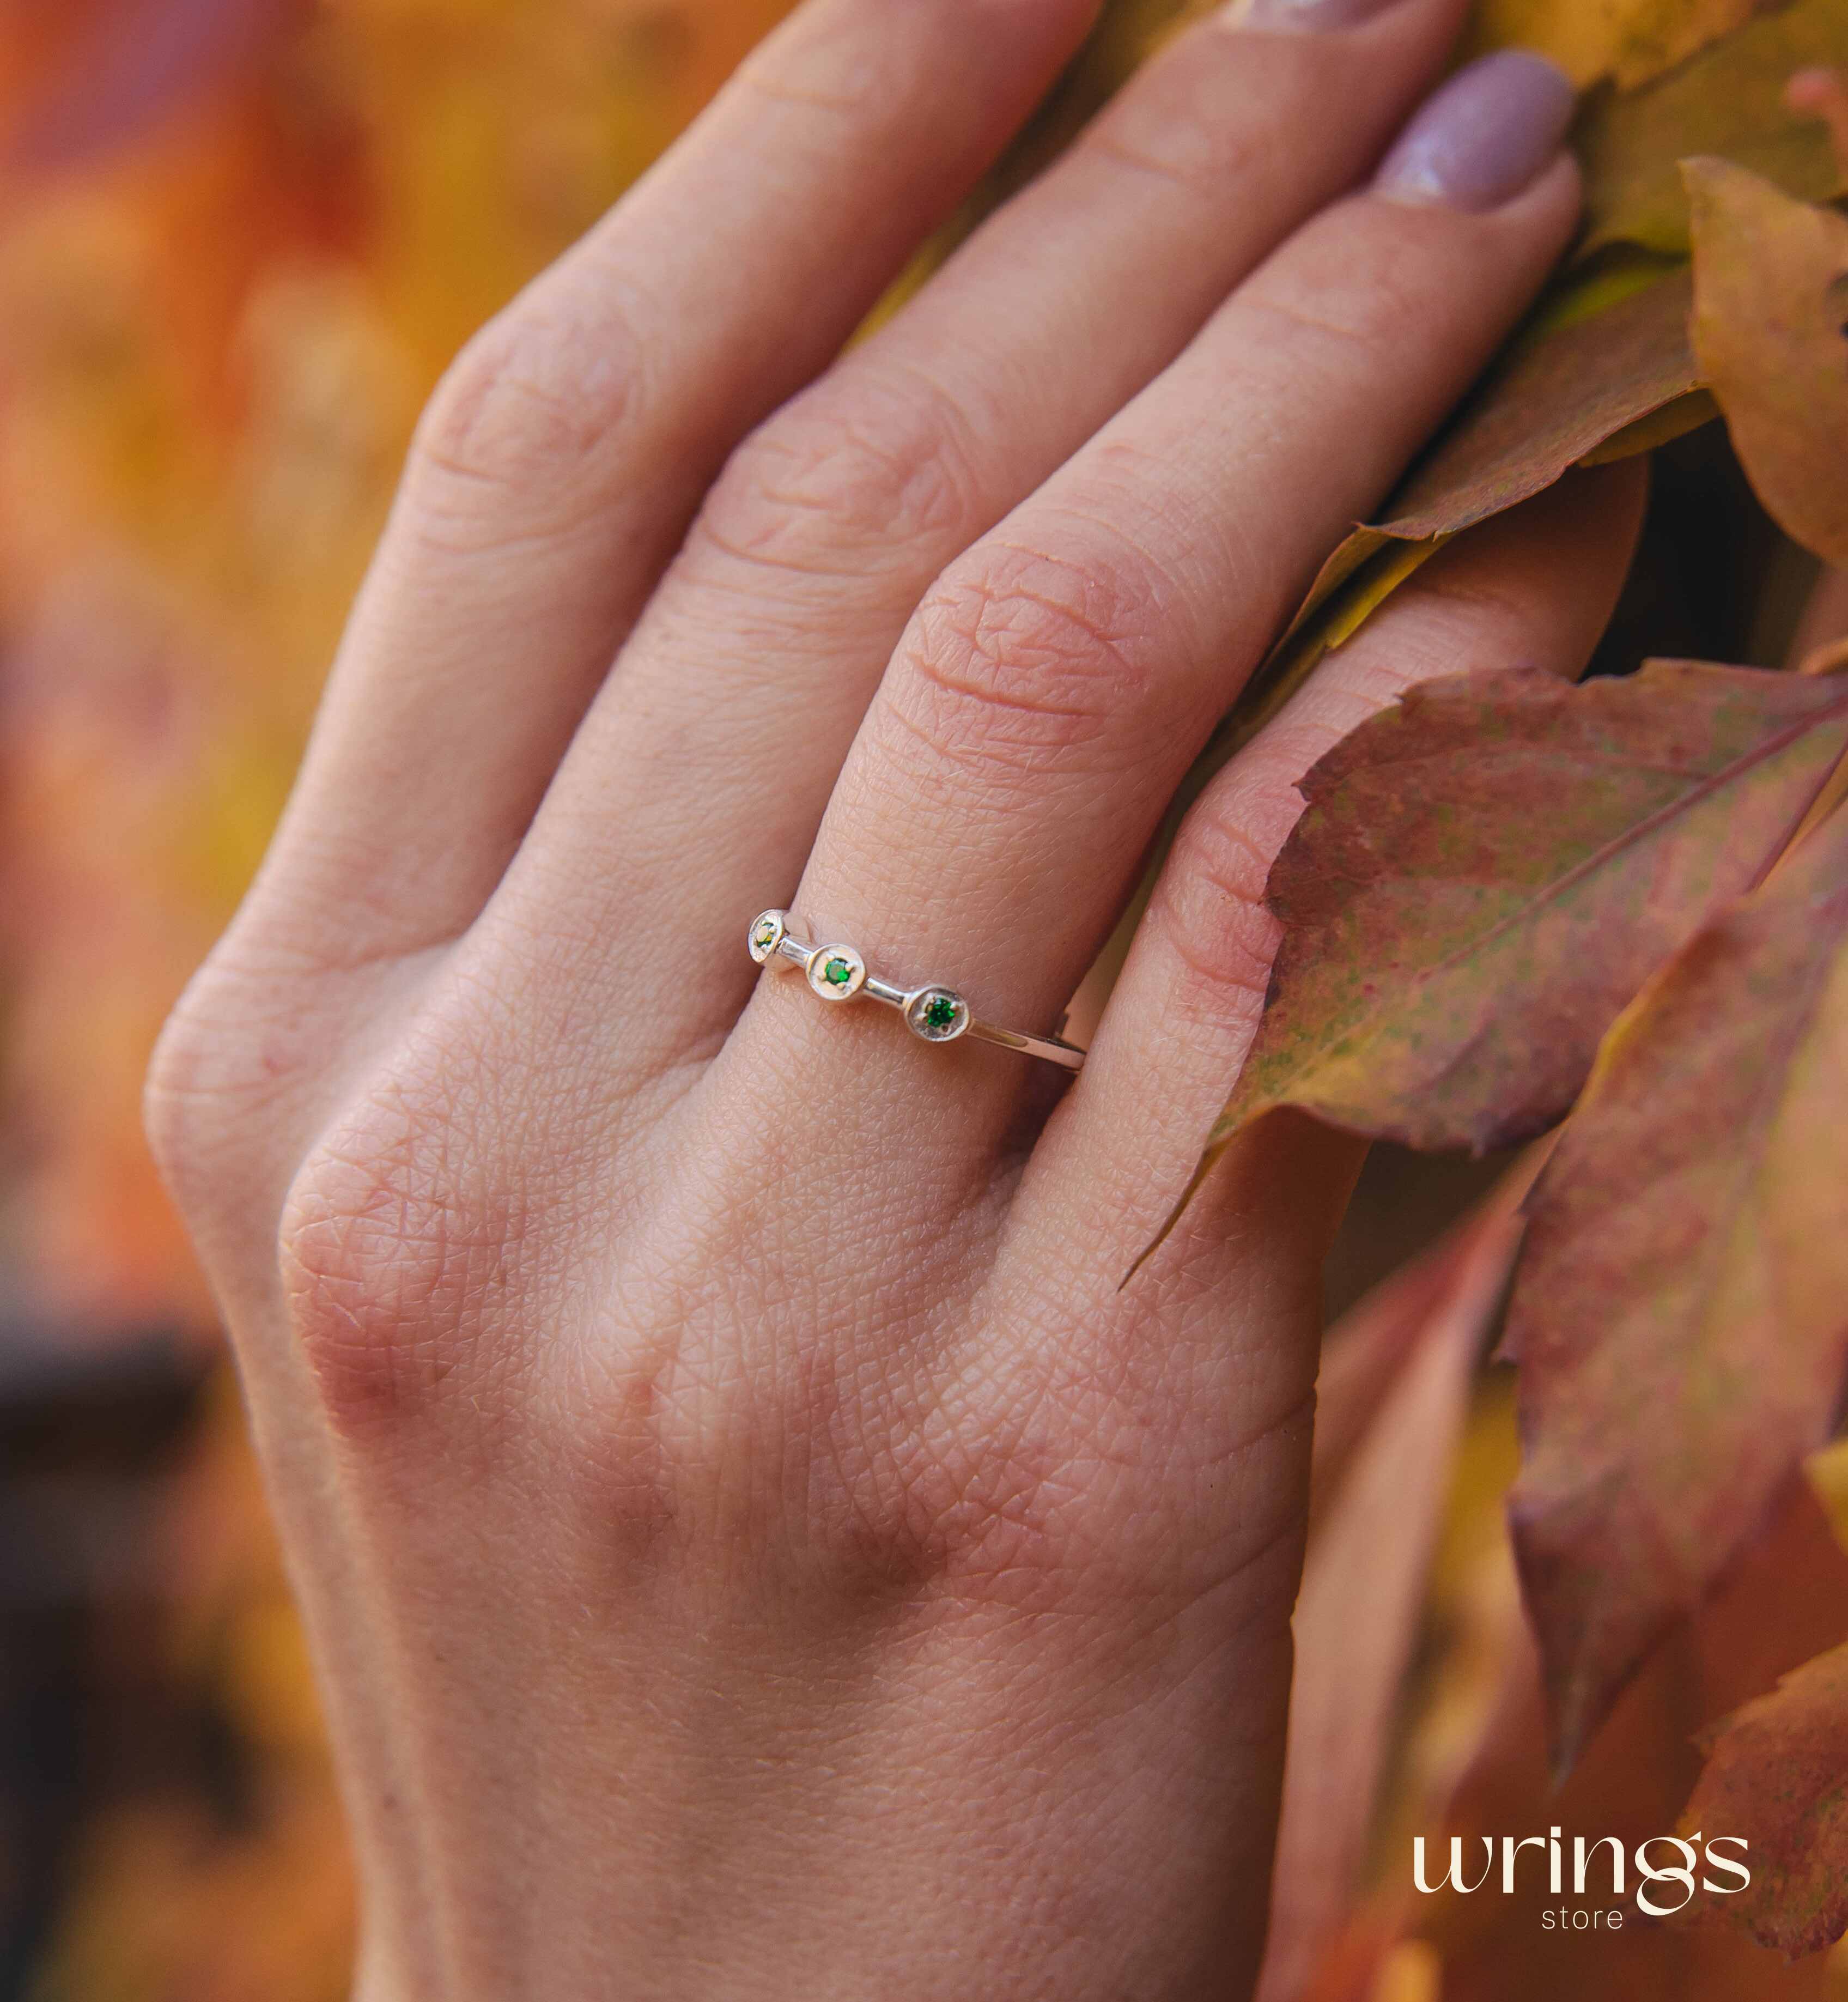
column 751, row 1546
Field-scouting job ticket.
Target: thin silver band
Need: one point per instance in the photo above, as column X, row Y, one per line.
column 933, row 1013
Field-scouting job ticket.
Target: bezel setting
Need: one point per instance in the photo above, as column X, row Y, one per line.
column 836, row 972
column 768, row 929
column 937, row 1014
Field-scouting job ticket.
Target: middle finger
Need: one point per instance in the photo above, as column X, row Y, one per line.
column 1054, row 684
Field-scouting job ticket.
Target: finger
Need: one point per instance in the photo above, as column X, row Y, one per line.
column 1534, row 588
column 1055, row 683
column 745, row 681
column 556, row 469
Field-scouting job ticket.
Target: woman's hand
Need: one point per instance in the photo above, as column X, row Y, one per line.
column 751, row 1546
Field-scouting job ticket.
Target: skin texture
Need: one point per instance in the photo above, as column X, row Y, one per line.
column 751, row 1544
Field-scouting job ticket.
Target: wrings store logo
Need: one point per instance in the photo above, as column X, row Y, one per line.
column 1662, row 1887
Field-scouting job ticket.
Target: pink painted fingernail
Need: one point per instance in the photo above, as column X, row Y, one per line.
column 1309, row 15
column 1484, row 136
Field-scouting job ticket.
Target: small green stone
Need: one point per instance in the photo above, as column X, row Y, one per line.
column 837, row 972
column 939, row 1012
column 766, row 935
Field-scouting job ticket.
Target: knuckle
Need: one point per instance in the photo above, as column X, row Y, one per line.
column 1173, row 128
column 822, row 66
column 844, row 479
column 1210, row 907
column 698, row 1445
column 1011, row 1484
column 536, row 410
column 190, row 1086
column 217, row 1084
column 392, row 1254
column 797, row 1434
column 1021, row 659
column 1181, row 156
column 907, row 1493
column 893, row 1500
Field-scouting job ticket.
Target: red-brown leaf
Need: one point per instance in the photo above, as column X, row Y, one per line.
column 1777, row 1775
column 1487, row 873
column 1555, row 395
column 1681, row 1314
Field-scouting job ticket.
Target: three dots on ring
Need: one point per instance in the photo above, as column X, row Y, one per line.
column 838, row 973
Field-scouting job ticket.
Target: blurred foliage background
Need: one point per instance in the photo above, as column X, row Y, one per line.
column 238, row 241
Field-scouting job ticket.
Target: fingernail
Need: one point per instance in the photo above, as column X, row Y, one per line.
column 1310, row 15
column 1483, row 136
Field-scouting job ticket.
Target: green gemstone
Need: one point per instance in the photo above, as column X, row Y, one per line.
column 838, row 972
column 766, row 935
column 939, row 1012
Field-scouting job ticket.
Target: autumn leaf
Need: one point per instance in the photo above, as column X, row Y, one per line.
column 1680, row 1316
column 1597, row 363
column 1484, row 1772
column 1826, row 1471
column 1770, row 307
column 1628, row 40
column 1365, row 1353
column 1575, row 381
column 1486, row 872
column 1777, row 1773
column 1408, row 1351
column 1728, row 100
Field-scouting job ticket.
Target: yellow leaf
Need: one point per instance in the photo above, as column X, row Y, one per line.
column 1827, row 1473
column 1728, row 99
column 1411, row 1972
column 1629, row 40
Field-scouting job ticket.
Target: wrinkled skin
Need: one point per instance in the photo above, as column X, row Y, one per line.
column 751, row 1542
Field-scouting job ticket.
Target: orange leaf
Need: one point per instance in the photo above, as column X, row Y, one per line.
column 1770, row 307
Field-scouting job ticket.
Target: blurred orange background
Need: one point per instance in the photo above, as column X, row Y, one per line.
column 240, row 239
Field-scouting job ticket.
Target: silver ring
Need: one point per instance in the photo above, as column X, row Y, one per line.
column 933, row 1013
